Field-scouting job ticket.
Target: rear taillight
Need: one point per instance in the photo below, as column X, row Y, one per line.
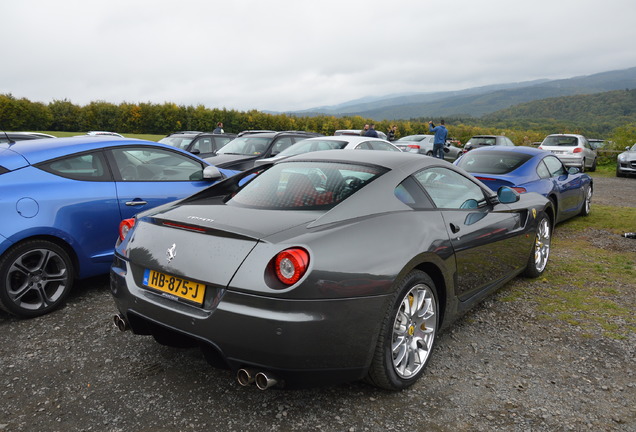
column 125, row 226
column 540, row 148
column 520, row 189
column 291, row 265
column 577, row 150
column 413, row 147
column 485, row 178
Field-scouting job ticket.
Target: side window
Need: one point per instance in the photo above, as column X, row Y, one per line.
column 543, row 171
column 364, row 146
column 281, row 144
column 555, row 167
column 151, row 164
column 381, row 145
column 449, row 189
column 87, row 167
column 204, row 145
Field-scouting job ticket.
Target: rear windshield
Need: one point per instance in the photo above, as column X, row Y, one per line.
column 305, row 185
column 488, row 162
column 306, row 146
column 482, row 141
column 564, row 141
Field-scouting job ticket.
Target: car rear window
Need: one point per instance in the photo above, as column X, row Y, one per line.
column 482, row 141
column 492, row 162
column 561, row 141
column 305, row 185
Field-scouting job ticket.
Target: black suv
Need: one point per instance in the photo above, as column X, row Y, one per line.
column 240, row 153
column 202, row 144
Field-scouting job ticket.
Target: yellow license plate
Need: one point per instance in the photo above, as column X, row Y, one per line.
column 181, row 288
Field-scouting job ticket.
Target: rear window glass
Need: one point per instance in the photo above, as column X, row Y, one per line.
column 563, row 141
column 482, row 141
column 490, row 162
column 252, row 146
column 305, row 185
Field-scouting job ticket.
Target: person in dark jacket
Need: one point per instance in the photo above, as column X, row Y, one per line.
column 371, row 132
column 441, row 133
column 390, row 135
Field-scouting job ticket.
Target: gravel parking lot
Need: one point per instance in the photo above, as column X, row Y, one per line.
column 505, row 366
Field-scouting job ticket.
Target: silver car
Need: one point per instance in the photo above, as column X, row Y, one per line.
column 423, row 144
column 626, row 162
column 573, row 150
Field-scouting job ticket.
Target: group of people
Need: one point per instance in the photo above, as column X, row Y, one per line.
column 440, row 132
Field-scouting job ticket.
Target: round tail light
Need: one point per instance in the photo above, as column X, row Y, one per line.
column 125, row 226
column 291, row 265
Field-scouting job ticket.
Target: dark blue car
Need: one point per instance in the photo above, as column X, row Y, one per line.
column 62, row 200
column 528, row 169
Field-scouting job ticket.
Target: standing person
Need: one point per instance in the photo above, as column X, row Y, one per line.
column 364, row 130
column 371, row 132
column 441, row 133
column 390, row 135
column 219, row 128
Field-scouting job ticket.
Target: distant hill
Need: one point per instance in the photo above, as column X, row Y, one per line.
column 478, row 101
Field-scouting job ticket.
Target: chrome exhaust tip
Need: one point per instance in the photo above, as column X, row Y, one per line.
column 265, row 380
column 121, row 323
column 245, row 377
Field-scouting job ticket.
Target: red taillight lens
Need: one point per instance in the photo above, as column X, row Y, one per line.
column 540, row 148
column 413, row 147
column 485, row 179
column 291, row 265
column 577, row 150
column 125, row 226
column 520, row 189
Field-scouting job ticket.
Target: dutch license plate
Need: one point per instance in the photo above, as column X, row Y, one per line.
column 181, row 288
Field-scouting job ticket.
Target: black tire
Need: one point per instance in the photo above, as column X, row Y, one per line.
column 538, row 259
column 35, row 278
column 583, row 166
column 619, row 173
column 593, row 168
column 587, row 201
column 429, row 153
column 408, row 335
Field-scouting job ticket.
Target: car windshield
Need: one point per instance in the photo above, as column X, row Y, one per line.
column 252, row 146
column 305, row 185
column 561, row 141
column 177, row 141
column 306, row 146
column 482, row 141
column 492, row 162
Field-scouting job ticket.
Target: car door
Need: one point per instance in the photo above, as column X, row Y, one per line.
column 147, row 176
column 485, row 237
column 567, row 185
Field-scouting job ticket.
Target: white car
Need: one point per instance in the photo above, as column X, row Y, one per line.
column 340, row 142
column 573, row 150
column 423, row 144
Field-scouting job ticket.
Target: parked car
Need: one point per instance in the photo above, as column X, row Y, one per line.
column 202, row 144
column 325, row 267
column 423, row 144
column 103, row 133
column 527, row 169
column 596, row 143
column 342, row 142
column 487, row 141
column 573, row 150
column 354, row 132
column 626, row 162
column 62, row 201
column 241, row 153
column 6, row 137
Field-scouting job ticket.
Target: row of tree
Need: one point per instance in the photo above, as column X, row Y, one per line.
column 150, row 118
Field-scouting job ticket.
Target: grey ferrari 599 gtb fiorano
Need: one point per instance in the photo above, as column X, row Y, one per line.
column 325, row 267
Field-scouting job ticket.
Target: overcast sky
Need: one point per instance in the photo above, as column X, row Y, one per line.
column 297, row 54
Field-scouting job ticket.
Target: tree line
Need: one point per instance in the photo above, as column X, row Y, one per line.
column 151, row 118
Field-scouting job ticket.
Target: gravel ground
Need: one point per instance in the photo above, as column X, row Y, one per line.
column 503, row 367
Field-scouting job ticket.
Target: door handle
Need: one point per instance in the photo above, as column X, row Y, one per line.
column 135, row 203
column 454, row 228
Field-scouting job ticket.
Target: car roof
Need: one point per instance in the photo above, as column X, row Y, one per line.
column 517, row 149
column 39, row 150
column 390, row 160
column 349, row 138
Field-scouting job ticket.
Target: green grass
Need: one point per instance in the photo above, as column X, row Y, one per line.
column 586, row 286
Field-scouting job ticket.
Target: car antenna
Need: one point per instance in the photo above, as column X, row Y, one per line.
column 9, row 140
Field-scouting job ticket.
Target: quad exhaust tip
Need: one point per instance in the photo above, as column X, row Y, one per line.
column 121, row 323
column 263, row 380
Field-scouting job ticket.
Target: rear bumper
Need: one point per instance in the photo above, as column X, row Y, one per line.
column 302, row 341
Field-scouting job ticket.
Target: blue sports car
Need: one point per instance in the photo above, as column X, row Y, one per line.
column 528, row 169
column 62, row 200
